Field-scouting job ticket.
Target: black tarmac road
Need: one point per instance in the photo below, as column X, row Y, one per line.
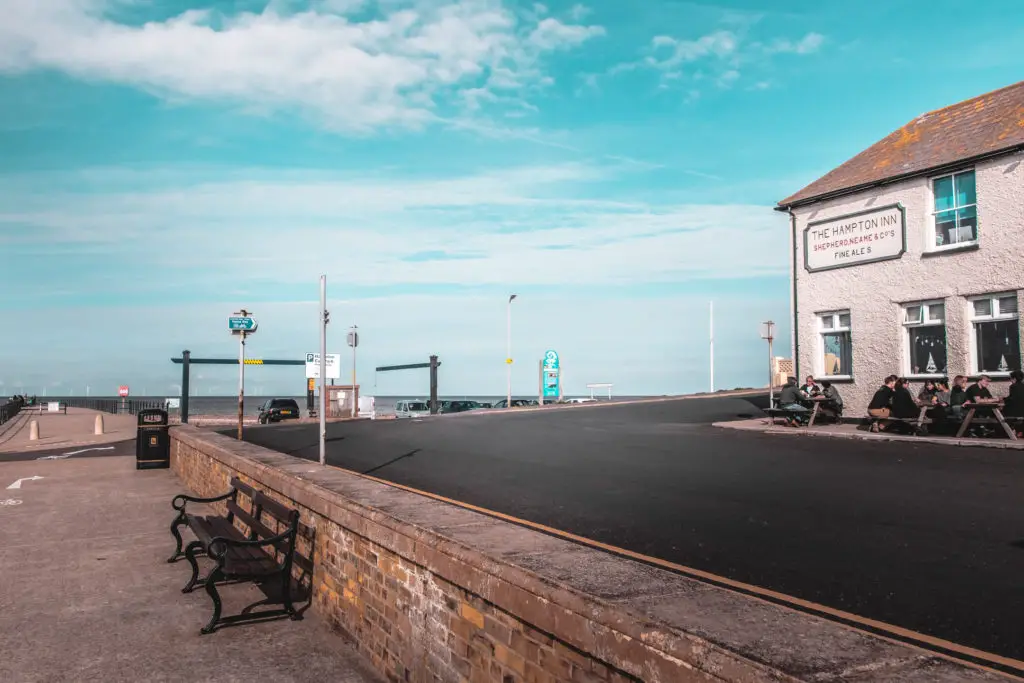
column 927, row 537
column 88, row 451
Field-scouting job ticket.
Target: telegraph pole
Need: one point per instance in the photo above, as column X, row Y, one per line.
column 324, row 319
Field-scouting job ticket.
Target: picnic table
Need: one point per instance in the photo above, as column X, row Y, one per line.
column 816, row 410
column 996, row 408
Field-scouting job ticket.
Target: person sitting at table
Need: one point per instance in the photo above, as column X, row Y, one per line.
column 810, row 389
column 934, row 395
column 1014, row 405
column 832, row 406
column 881, row 404
column 978, row 394
column 957, row 396
column 789, row 399
column 903, row 404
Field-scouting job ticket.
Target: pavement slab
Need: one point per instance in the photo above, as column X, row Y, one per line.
column 58, row 430
column 87, row 593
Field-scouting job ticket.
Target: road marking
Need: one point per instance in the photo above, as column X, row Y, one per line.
column 898, row 634
column 68, row 455
column 10, row 501
column 17, row 484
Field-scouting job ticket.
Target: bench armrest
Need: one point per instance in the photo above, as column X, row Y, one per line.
column 181, row 499
column 219, row 545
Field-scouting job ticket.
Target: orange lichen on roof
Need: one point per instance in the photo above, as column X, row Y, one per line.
column 974, row 127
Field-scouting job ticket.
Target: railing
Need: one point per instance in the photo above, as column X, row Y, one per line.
column 112, row 405
column 10, row 409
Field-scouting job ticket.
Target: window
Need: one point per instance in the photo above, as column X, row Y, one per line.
column 925, row 331
column 956, row 211
column 995, row 342
column 837, row 347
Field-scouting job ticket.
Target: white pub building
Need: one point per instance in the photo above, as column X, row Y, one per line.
column 908, row 259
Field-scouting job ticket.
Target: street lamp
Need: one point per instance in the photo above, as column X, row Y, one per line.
column 508, row 346
column 768, row 332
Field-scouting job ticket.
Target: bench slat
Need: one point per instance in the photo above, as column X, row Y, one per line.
column 279, row 511
column 241, row 486
column 241, row 514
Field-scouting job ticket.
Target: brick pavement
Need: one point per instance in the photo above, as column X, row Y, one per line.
column 59, row 429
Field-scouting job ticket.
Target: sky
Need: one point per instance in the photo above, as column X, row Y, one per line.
column 164, row 163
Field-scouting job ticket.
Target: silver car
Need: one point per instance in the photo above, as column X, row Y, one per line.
column 412, row 408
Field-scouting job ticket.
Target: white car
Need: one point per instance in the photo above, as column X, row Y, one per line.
column 412, row 408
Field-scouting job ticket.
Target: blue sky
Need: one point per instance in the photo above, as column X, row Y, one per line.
column 163, row 163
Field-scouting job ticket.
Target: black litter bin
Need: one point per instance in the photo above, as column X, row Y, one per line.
column 153, row 441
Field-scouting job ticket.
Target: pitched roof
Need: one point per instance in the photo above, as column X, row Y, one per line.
column 986, row 124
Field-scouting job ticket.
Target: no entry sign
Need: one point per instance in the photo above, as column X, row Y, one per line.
column 122, row 391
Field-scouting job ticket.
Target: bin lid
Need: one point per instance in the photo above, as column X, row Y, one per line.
column 152, row 416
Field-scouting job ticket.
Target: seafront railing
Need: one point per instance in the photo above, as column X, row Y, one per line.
column 112, row 405
column 10, row 409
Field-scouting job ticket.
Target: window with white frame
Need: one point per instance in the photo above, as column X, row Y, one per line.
column 924, row 325
column 836, row 344
column 995, row 342
column 956, row 210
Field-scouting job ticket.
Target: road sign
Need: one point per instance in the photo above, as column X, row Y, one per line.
column 122, row 391
column 242, row 323
column 508, row 361
column 333, row 365
column 551, row 360
column 173, row 403
column 353, row 338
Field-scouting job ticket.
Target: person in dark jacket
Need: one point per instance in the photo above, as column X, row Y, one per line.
column 880, row 406
column 1014, row 406
column 832, row 407
column 903, row 403
column 789, row 399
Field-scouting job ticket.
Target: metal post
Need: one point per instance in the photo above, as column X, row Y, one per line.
column 323, row 369
column 354, row 398
column 771, row 375
column 241, row 378
column 711, row 333
column 508, row 350
column 540, row 382
column 433, row 385
column 185, row 356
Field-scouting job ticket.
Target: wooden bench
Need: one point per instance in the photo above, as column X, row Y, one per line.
column 786, row 413
column 239, row 557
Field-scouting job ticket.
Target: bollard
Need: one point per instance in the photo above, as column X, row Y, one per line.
column 33, row 431
column 99, row 424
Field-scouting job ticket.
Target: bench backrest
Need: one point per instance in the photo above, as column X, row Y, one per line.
column 261, row 504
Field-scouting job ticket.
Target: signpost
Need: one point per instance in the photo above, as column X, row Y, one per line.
column 122, row 391
column 241, row 323
column 768, row 332
column 353, row 341
column 313, row 366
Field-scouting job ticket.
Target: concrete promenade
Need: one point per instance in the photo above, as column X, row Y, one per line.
column 57, row 430
column 87, row 595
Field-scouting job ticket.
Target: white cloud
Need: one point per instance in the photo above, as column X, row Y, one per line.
column 809, row 44
column 523, row 226
column 721, row 52
column 400, row 69
column 551, row 34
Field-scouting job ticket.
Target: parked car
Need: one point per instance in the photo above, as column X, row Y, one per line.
column 277, row 409
column 459, row 406
column 517, row 403
column 412, row 408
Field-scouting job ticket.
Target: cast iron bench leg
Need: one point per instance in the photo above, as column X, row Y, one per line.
column 190, row 555
column 286, row 591
column 211, row 588
column 178, row 521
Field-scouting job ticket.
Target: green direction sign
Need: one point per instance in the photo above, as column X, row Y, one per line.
column 242, row 324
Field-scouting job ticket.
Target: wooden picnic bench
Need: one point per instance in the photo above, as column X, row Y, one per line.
column 997, row 418
column 239, row 557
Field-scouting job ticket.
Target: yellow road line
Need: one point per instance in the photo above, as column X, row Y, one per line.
column 902, row 636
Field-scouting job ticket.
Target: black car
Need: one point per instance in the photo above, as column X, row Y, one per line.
column 459, row 406
column 277, row 409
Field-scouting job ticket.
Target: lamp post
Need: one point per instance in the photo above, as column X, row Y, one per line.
column 768, row 332
column 508, row 347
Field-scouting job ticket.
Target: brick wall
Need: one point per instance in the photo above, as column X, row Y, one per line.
column 423, row 613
